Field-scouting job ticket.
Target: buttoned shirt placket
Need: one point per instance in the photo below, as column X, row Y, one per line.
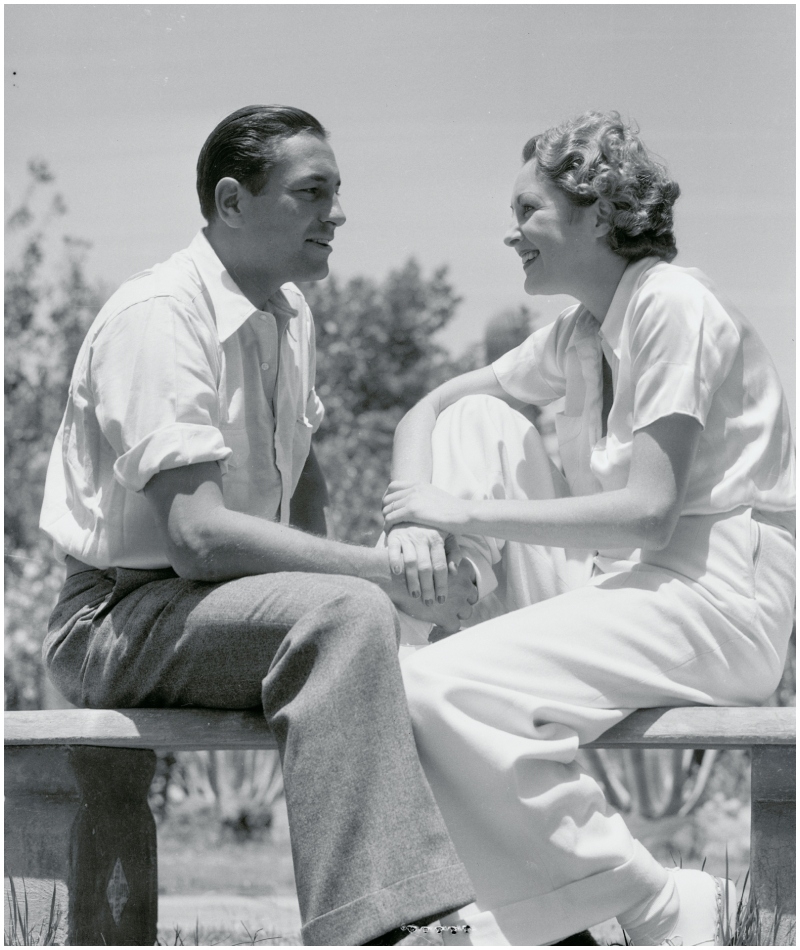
column 586, row 344
column 285, row 397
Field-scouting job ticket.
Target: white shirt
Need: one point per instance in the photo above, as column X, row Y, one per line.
column 674, row 346
column 178, row 368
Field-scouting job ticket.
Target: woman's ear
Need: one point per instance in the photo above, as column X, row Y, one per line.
column 228, row 199
column 601, row 223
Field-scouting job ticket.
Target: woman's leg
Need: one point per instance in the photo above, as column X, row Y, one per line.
column 483, row 449
column 499, row 710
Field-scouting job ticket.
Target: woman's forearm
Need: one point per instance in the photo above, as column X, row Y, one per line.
column 617, row 519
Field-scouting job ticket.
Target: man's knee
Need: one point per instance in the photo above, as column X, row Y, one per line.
column 358, row 612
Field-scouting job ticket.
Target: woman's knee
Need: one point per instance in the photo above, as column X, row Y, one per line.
column 479, row 411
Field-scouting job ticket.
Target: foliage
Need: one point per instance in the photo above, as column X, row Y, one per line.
column 49, row 304
column 508, row 329
column 47, row 312
column 377, row 356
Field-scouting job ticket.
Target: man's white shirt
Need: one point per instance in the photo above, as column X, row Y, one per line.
column 180, row 368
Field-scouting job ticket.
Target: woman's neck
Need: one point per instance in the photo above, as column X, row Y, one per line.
column 599, row 283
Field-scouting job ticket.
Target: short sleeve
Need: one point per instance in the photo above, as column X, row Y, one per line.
column 533, row 372
column 682, row 347
column 154, row 369
column 315, row 410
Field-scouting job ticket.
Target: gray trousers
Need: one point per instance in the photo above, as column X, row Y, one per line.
column 319, row 654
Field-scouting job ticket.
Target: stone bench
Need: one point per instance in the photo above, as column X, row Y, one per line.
column 76, row 785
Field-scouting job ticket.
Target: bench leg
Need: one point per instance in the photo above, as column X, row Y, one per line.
column 772, row 843
column 77, row 818
column 113, row 887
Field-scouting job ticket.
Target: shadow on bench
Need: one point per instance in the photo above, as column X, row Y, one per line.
column 76, row 785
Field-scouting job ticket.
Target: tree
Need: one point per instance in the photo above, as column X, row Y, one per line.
column 49, row 304
column 376, row 357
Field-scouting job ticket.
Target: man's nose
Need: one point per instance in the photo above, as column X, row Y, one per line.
column 336, row 215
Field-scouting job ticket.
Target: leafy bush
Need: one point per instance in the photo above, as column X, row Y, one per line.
column 49, row 305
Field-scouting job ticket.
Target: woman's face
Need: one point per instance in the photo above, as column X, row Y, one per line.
column 552, row 236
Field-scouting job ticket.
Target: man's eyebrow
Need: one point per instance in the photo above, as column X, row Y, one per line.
column 317, row 177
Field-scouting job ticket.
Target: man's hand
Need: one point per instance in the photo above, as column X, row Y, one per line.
column 423, row 504
column 427, row 556
column 463, row 593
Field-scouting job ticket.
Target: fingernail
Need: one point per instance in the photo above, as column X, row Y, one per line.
column 429, row 603
column 396, row 569
column 440, row 599
column 415, row 593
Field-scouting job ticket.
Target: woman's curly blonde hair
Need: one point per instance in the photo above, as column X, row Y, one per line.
column 598, row 157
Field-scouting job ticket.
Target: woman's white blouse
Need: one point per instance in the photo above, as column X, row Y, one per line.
column 674, row 346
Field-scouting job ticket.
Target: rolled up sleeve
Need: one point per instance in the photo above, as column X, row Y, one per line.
column 155, row 378
column 533, row 372
column 682, row 346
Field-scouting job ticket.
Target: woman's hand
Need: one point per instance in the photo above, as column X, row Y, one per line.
column 427, row 556
column 426, row 505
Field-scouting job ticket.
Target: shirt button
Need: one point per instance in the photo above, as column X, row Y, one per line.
column 265, row 366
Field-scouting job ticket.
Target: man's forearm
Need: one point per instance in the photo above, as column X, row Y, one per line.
column 231, row 544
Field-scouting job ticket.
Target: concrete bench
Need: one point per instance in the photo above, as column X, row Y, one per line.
column 76, row 785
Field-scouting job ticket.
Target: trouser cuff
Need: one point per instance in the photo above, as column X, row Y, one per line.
column 548, row 918
column 423, row 897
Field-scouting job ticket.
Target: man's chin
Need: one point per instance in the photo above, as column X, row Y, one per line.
column 310, row 274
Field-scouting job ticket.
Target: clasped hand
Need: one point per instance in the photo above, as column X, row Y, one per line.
column 427, row 555
column 423, row 504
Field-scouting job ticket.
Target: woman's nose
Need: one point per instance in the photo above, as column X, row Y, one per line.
column 512, row 234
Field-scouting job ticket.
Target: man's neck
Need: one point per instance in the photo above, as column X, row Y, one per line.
column 257, row 287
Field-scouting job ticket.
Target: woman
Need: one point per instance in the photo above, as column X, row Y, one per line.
column 658, row 572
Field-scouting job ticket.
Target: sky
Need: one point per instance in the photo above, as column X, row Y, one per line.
column 428, row 108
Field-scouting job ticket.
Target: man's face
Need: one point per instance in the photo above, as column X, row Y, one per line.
column 289, row 226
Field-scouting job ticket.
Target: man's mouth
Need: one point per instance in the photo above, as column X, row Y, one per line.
column 320, row 242
column 528, row 257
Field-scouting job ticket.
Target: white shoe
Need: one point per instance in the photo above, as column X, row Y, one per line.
column 706, row 912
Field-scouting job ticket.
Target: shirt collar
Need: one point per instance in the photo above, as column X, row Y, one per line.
column 611, row 327
column 231, row 307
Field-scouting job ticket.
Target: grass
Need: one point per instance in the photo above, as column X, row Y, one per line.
column 745, row 932
column 216, row 937
column 19, row 931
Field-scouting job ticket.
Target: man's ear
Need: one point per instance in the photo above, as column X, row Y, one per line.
column 228, row 199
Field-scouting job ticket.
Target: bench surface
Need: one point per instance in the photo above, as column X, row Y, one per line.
column 691, row 727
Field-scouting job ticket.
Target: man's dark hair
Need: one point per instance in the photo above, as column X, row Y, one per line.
column 246, row 146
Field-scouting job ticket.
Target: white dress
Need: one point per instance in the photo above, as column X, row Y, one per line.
column 500, row 709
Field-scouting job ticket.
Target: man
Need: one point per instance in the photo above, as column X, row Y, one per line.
column 171, row 492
